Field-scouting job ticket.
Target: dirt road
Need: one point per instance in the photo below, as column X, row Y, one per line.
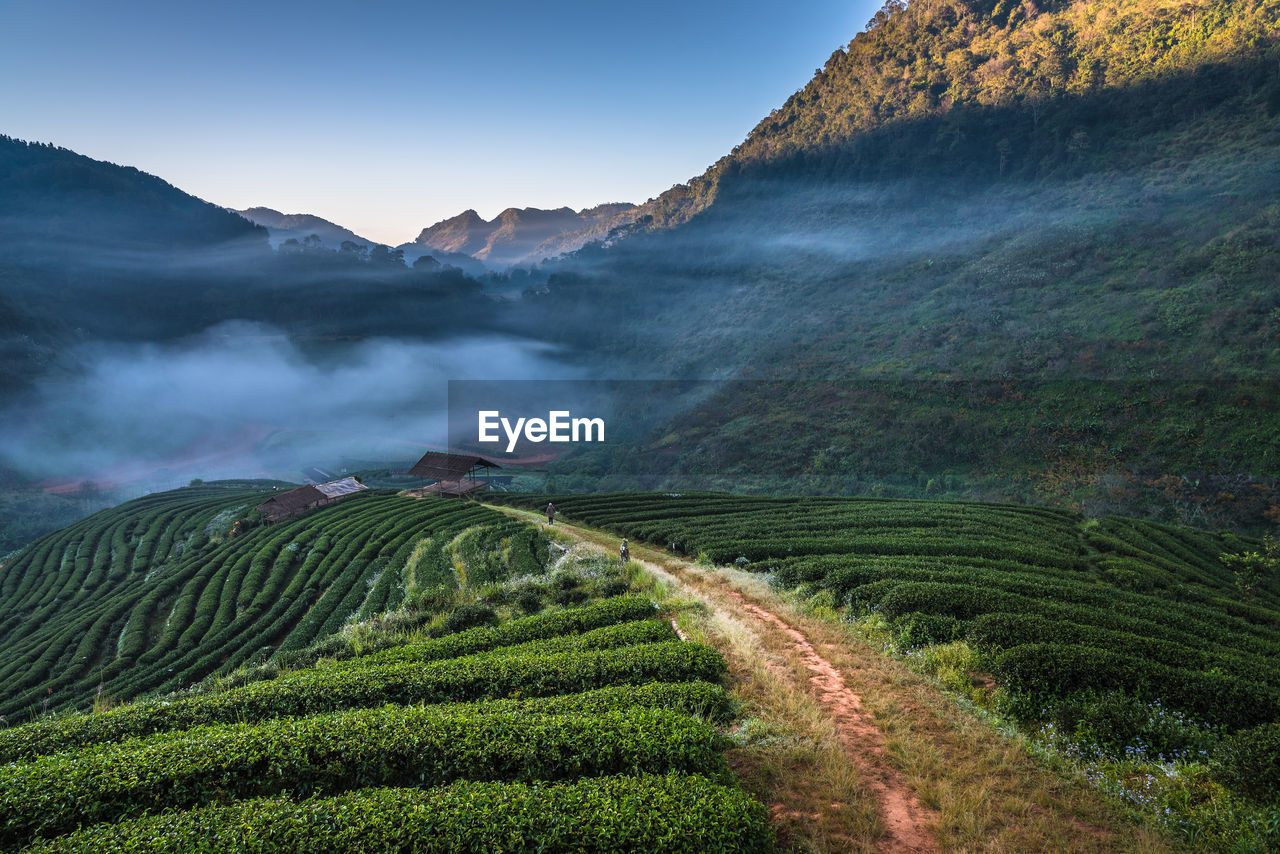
column 935, row 776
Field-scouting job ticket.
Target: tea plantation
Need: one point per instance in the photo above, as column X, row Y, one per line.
column 1114, row 638
column 158, row 593
column 562, row 736
column 509, row 703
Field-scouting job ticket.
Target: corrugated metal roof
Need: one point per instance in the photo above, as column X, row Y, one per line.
column 441, row 466
column 339, row 488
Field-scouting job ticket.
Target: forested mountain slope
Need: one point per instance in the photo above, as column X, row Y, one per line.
column 1073, row 205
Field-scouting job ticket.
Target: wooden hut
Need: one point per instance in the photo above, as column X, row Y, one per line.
column 455, row 475
column 295, row 502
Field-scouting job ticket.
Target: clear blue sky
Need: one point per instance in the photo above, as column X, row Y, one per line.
column 388, row 116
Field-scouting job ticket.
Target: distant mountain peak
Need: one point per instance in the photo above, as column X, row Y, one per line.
column 284, row 226
column 516, row 234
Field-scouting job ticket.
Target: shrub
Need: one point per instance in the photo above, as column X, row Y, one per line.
column 614, row 587
column 309, row 692
column 1249, row 762
column 570, row 597
column 1044, row 671
column 344, row 750
column 1116, row 724
column 529, row 602
column 469, row 616
column 916, row 629
column 680, row 814
column 567, row 581
column 539, row 627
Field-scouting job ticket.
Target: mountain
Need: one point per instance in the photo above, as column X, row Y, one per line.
column 110, row 276
column 515, row 235
column 1001, row 251
column 53, row 198
column 300, row 226
column 600, row 222
column 465, row 232
column 85, row 244
column 997, row 89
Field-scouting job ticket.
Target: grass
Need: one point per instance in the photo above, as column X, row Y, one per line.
column 989, row 788
column 1176, row 798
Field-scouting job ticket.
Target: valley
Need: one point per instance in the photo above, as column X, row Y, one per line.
column 937, row 508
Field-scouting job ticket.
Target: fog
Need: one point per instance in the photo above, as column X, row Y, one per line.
column 241, row 400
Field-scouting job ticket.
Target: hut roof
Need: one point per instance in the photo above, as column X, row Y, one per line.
column 452, row 467
column 295, row 500
column 455, row 488
column 340, row 488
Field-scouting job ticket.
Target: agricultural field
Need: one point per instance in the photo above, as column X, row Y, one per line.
column 584, row 726
column 162, row 592
column 1128, row 647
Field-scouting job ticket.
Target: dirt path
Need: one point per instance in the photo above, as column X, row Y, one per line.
column 905, row 819
column 852, row 751
column 906, row 822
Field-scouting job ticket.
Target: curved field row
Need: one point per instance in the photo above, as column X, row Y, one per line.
column 678, row 813
column 1121, row 635
column 158, row 593
column 588, row 723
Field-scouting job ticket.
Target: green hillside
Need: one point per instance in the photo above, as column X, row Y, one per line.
column 992, row 250
column 991, row 89
column 160, row 592
column 1125, row 644
column 587, row 726
column 493, row 672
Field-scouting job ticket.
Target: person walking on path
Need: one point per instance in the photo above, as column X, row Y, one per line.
column 624, row 552
column 551, row 513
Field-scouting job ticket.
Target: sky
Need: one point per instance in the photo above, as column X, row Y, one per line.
column 386, row 117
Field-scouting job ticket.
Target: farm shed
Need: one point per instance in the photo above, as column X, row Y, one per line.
column 295, row 502
column 336, row 489
column 455, row 475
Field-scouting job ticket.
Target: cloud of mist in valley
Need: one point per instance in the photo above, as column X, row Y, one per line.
column 241, row 400
column 879, row 221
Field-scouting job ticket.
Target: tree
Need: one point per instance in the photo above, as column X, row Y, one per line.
column 887, row 11
column 1255, row 567
column 354, row 250
column 381, row 255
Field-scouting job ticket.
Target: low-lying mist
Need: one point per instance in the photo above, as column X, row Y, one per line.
column 242, row 400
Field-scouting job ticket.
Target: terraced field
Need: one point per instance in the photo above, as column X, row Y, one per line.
column 611, row 743
column 395, row 674
column 158, row 593
column 1113, row 638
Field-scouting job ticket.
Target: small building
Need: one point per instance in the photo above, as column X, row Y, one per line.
column 455, row 475
column 295, row 502
column 336, row 489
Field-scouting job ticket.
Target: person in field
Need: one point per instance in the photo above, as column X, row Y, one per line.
column 624, row 552
column 551, row 513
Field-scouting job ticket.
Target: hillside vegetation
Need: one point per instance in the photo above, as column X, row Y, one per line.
column 512, row 723
column 992, row 250
column 1129, row 646
column 158, row 593
column 995, row 89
